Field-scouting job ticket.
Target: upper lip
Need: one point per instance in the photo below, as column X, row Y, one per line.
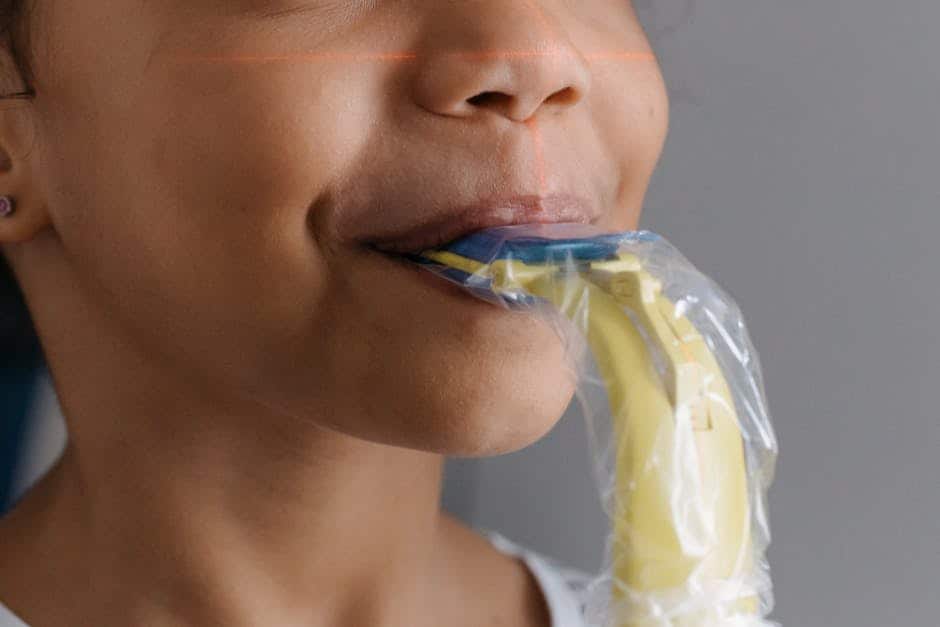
column 508, row 211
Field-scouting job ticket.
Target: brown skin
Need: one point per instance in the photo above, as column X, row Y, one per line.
column 258, row 405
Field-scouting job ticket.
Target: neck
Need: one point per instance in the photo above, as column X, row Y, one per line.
column 183, row 516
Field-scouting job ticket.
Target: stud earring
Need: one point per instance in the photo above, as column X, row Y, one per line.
column 6, row 206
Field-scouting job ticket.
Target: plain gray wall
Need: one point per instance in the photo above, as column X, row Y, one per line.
column 802, row 171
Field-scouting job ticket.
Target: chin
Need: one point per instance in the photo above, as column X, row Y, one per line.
column 499, row 414
column 487, row 383
column 494, row 434
column 511, row 386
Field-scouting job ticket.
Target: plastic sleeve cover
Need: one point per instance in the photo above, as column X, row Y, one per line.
column 671, row 390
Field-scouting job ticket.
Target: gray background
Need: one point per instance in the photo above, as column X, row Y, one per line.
column 801, row 171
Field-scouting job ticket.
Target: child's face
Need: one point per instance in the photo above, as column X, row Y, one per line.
column 220, row 203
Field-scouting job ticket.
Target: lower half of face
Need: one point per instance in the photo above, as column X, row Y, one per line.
column 195, row 198
column 356, row 342
column 409, row 358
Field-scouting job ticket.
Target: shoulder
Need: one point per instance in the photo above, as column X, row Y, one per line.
column 562, row 586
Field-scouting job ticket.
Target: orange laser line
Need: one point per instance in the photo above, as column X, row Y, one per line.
column 531, row 124
column 405, row 56
column 299, row 56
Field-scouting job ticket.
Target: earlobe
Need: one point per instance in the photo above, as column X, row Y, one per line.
column 21, row 216
column 22, row 212
column 19, row 221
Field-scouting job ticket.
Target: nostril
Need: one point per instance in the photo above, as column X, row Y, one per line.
column 489, row 98
column 564, row 96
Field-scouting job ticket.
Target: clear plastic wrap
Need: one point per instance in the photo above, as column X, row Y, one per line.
column 672, row 393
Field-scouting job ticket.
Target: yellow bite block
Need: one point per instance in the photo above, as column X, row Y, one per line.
column 681, row 524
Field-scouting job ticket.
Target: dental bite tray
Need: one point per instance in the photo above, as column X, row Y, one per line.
column 681, row 440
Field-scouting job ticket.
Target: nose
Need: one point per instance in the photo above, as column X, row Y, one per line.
column 500, row 58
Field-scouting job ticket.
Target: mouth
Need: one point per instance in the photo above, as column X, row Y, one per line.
column 465, row 220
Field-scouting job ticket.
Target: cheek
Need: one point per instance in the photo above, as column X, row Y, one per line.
column 191, row 208
column 631, row 104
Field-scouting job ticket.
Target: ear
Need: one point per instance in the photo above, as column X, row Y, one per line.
column 18, row 161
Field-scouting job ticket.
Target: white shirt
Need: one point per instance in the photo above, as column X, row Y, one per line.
column 555, row 581
column 558, row 582
column 9, row 619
